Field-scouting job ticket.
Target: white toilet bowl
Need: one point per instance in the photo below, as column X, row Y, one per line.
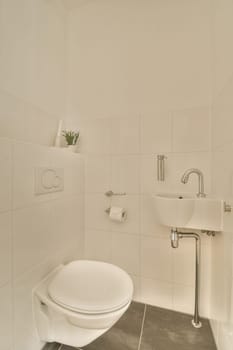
column 78, row 302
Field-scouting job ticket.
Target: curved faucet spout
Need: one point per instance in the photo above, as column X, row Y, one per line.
column 185, row 179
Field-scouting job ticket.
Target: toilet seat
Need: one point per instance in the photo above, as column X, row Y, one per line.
column 91, row 287
column 77, row 303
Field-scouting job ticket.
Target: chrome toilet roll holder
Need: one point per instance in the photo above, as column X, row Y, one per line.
column 110, row 193
column 124, row 214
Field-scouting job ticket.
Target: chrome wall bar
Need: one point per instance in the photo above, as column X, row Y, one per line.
column 111, row 193
column 161, row 167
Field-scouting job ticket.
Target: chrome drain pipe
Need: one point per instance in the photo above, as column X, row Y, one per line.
column 175, row 237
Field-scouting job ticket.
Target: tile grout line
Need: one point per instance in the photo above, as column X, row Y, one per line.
column 12, row 259
column 61, row 347
column 142, row 327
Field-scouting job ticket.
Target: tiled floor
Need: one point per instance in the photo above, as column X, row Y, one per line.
column 151, row 328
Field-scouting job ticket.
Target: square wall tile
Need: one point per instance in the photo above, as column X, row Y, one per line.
column 125, row 136
column 221, row 275
column 222, row 122
column 222, row 173
column 156, row 133
column 73, row 165
column 95, row 216
column 205, row 279
column 26, row 158
column 26, row 341
column 158, row 293
column 149, row 221
column 183, row 298
column 73, row 177
column 96, row 136
column 214, row 324
column 131, row 203
column 70, row 253
column 225, row 337
column 148, row 173
column 156, row 258
column 180, row 162
column 98, row 245
column 6, row 334
column 67, row 223
column 12, row 116
column 125, row 252
column 137, row 288
column 184, row 263
column 191, row 130
column 97, row 174
column 22, row 296
column 5, row 174
column 184, row 280
column 33, row 238
column 40, row 127
column 125, row 174
column 5, row 248
column 228, row 219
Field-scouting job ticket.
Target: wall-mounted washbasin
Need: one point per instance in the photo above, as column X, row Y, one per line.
column 187, row 211
column 174, row 210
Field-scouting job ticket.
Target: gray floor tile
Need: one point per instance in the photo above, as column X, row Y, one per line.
column 169, row 330
column 124, row 335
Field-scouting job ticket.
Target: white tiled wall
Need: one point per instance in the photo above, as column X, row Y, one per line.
column 128, row 57
column 36, row 232
column 135, row 92
column 140, row 245
column 138, row 86
column 222, row 168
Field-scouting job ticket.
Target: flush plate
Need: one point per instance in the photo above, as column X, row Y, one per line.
column 48, row 180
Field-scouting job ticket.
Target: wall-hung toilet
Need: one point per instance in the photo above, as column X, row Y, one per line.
column 80, row 301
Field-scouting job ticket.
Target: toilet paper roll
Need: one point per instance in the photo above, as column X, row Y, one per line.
column 117, row 214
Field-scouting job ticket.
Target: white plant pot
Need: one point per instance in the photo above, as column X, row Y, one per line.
column 72, row 148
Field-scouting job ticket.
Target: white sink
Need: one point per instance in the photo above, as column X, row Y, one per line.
column 187, row 211
column 174, row 210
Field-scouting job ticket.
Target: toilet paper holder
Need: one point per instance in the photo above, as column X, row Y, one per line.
column 108, row 211
column 111, row 193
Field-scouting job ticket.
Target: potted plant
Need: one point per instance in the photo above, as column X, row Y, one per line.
column 71, row 138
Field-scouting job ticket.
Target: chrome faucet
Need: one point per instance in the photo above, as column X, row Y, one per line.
column 200, row 175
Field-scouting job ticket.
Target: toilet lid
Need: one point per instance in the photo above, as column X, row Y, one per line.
column 91, row 287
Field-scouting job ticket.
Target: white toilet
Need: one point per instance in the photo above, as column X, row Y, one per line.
column 80, row 301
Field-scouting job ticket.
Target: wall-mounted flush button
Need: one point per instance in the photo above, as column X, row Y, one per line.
column 58, row 181
column 49, row 180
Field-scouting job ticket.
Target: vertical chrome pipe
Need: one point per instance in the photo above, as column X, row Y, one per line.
column 160, row 167
column 175, row 236
column 196, row 320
